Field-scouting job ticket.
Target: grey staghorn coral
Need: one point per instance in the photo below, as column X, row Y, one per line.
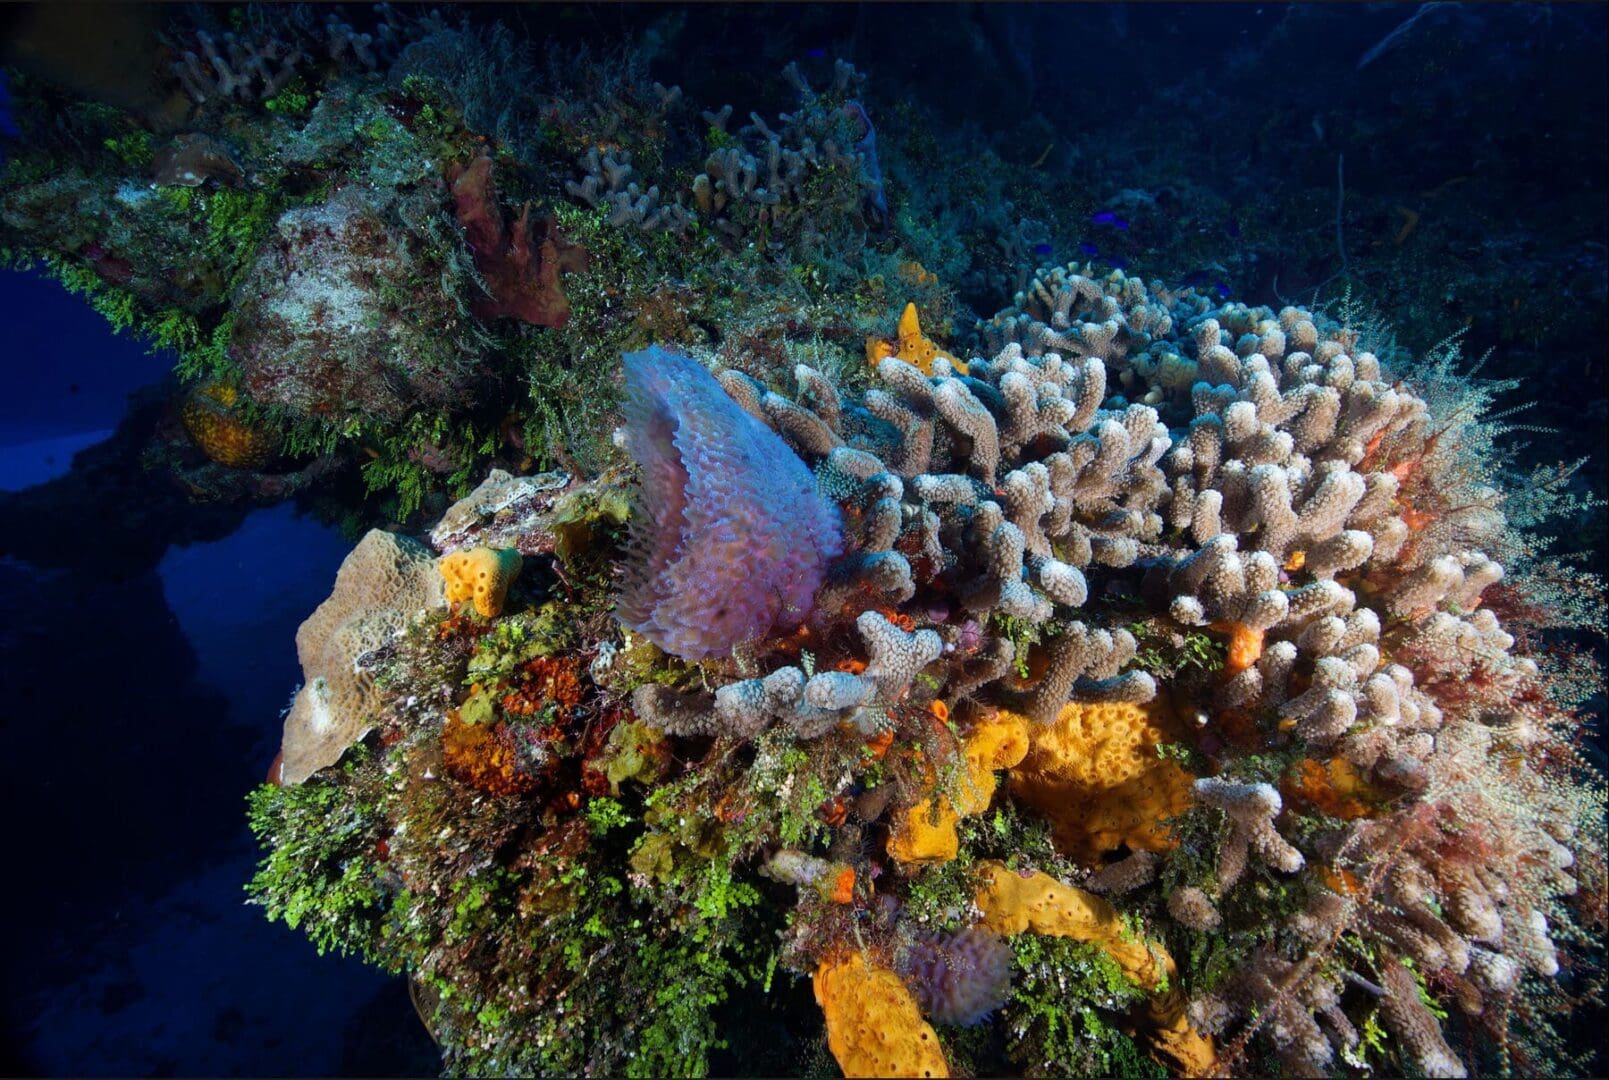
column 1251, row 809
column 762, row 181
column 811, row 705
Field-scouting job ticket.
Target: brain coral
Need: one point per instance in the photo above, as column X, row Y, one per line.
column 380, row 583
column 732, row 539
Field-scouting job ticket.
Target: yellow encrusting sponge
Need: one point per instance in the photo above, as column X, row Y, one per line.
column 874, row 1026
column 482, row 575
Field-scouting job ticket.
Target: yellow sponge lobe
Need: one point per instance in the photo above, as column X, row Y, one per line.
column 927, row 835
column 1013, row 904
column 874, row 1026
column 482, row 575
column 909, row 344
column 1095, row 775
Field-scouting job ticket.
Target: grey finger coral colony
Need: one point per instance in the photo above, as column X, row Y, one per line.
column 1217, row 592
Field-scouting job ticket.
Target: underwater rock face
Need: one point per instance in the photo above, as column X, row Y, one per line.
column 330, row 324
column 732, row 538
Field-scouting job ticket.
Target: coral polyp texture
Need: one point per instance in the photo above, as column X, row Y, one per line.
column 1167, row 688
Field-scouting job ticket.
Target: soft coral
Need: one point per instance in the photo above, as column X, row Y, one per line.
column 520, row 265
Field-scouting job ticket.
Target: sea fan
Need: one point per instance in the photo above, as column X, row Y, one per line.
column 731, row 538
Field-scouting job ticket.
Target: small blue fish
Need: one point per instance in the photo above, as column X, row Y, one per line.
column 1222, row 290
column 1089, row 249
column 816, row 54
column 1043, row 249
column 1107, row 217
column 1119, row 264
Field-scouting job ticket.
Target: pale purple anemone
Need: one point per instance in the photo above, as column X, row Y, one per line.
column 730, row 538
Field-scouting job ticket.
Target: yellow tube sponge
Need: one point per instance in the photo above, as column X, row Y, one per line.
column 482, row 575
column 1095, row 775
column 910, row 345
column 874, row 1026
column 926, row 835
column 1012, row 904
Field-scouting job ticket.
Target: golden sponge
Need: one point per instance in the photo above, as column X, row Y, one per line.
column 482, row 575
column 1096, row 776
column 927, row 835
column 874, row 1026
column 210, row 416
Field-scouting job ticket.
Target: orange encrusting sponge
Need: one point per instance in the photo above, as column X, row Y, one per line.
column 482, row 575
column 1095, row 775
column 924, row 834
column 909, row 345
column 1013, row 904
column 874, row 1026
column 209, row 415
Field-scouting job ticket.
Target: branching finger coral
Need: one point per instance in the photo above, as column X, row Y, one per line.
column 1287, row 772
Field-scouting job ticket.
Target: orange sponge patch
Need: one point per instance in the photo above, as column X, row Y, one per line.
column 874, row 1026
column 1013, row 904
column 484, row 757
column 1096, row 776
column 1334, row 788
column 209, row 415
column 482, row 575
column 925, row 834
column 910, row 345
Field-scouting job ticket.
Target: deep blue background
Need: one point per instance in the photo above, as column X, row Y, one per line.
column 138, row 711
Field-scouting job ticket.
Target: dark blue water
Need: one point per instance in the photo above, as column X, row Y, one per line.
column 140, row 707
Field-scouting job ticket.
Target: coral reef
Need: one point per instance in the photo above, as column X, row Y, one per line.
column 1252, row 610
column 1217, row 591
